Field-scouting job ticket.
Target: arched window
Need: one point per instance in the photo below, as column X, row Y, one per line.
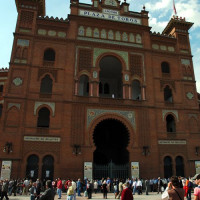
column 89, row 32
column 84, row 86
column 32, row 167
column 47, row 168
column 43, row 118
column 167, row 167
column 131, row 37
column 124, row 37
column 165, row 68
column 96, row 33
column 25, row 53
column 46, row 85
column 170, row 122
column 110, row 35
column 18, row 52
column 179, row 166
column 103, row 34
column 136, row 90
column 1, row 89
column 1, row 109
column 168, row 94
column 117, row 35
column 49, row 55
column 81, row 31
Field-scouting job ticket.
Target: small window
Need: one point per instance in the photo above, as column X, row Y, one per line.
column 43, row 118
column 49, row 55
column 136, row 90
column 84, row 86
column 1, row 89
column 46, row 85
column 1, row 109
column 165, row 68
column 100, row 88
column 168, row 94
column 170, row 122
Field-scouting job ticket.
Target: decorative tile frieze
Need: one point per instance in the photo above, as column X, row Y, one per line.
column 92, row 114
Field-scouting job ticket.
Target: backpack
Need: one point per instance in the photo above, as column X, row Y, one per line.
column 190, row 185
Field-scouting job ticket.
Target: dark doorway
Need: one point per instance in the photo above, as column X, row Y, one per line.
column 32, row 167
column 179, row 166
column 47, row 168
column 167, row 167
column 111, row 138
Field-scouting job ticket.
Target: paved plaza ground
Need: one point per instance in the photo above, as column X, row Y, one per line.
column 99, row 196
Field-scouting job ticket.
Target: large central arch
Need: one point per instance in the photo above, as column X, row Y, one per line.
column 111, row 156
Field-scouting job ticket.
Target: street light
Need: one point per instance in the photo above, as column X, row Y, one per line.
column 8, row 147
column 76, row 149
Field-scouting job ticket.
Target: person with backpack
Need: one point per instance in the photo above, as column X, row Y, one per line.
column 190, row 188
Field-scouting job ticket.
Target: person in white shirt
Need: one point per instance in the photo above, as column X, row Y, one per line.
column 139, row 186
column 95, row 186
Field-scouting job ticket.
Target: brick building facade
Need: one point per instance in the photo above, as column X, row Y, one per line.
column 99, row 87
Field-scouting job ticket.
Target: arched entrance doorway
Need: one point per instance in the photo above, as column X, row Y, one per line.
column 111, row 158
column 47, row 167
column 110, row 77
column 32, row 167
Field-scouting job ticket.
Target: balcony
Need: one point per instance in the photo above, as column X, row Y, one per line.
column 48, row 63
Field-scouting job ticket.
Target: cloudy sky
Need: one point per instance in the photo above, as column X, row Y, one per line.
column 160, row 12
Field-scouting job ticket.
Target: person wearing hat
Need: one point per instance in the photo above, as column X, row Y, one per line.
column 196, row 178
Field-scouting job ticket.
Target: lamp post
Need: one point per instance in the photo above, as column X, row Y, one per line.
column 145, row 150
column 76, row 149
column 7, row 147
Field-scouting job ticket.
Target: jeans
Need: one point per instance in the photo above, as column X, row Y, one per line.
column 59, row 191
column 70, row 197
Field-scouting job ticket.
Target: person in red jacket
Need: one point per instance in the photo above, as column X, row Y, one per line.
column 126, row 193
column 59, row 188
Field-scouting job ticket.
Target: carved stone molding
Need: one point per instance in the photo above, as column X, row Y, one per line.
column 17, row 105
column 50, row 104
column 165, row 112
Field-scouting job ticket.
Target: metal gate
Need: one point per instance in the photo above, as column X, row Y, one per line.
column 111, row 170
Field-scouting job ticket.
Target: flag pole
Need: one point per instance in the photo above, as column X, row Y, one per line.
column 174, row 8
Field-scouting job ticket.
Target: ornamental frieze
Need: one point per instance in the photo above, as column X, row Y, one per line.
column 92, row 114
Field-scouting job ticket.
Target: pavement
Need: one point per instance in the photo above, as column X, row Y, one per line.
column 99, row 196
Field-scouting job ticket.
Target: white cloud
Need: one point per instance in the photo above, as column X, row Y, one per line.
column 160, row 5
column 157, row 26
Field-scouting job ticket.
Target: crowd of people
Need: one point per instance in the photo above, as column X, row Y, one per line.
column 175, row 188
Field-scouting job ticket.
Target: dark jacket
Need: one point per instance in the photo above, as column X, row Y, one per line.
column 48, row 194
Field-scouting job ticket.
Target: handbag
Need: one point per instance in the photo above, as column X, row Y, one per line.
column 85, row 193
column 165, row 195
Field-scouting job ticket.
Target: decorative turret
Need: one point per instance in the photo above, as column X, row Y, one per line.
column 32, row 4
column 178, row 27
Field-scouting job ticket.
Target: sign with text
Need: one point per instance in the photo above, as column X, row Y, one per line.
column 108, row 15
column 171, row 142
column 135, row 170
column 88, row 170
column 197, row 167
column 6, row 170
column 41, row 139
